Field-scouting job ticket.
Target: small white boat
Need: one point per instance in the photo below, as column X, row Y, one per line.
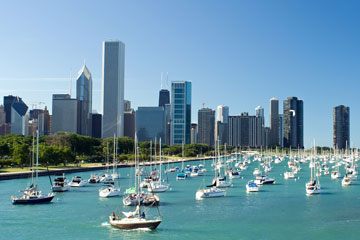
column 60, row 184
column 220, row 183
column 115, row 176
column 77, row 182
column 346, row 181
column 289, row 175
column 94, row 178
column 158, row 187
column 251, row 186
column 210, row 193
column 256, row 172
column 312, row 189
column 106, row 178
column 243, row 167
column 234, row 174
column 110, row 191
column 335, row 174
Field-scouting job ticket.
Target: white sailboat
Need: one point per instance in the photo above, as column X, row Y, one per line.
column 32, row 194
column 136, row 219
column 157, row 187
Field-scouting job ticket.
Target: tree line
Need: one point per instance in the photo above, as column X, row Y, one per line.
column 68, row 148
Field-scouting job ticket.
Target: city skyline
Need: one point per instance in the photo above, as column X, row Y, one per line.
column 307, row 60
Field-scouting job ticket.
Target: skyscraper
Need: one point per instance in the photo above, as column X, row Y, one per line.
column 274, row 139
column 221, row 126
column 222, row 114
column 129, row 123
column 150, row 123
column 84, row 97
column 164, row 97
column 19, row 117
column 180, row 112
column 246, row 131
column 260, row 127
column 113, row 88
column 341, row 126
column 64, row 113
column 8, row 101
column 293, row 123
column 96, row 119
column 206, row 125
column 259, row 111
column 194, row 133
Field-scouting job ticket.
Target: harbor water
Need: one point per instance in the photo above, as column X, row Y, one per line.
column 278, row 211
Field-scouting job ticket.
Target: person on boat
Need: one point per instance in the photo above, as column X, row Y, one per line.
column 142, row 215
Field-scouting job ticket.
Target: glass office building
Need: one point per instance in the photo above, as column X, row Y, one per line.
column 150, row 123
column 180, row 112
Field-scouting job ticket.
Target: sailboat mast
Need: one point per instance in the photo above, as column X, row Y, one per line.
column 32, row 159
column 114, row 155
column 182, row 155
column 150, row 155
column 37, row 156
column 160, row 158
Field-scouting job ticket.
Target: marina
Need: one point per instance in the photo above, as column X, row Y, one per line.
column 81, row 214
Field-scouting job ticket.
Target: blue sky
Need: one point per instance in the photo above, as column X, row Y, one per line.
column 236, row 53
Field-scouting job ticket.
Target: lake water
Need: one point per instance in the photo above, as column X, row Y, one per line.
column 279, row 211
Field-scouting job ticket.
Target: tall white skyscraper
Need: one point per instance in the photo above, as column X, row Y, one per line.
column 113, row 88
column 222, row 114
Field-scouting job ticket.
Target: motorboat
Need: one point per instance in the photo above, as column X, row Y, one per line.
column 181, row 176
column 210, row 193
column 110, row 191
column 263, row 179
column 251, row 186
column 77, row 181
column 60, row 184
column 106, row 178
column 233, row 173
column 94, row 178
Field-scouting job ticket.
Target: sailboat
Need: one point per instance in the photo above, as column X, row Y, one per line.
column 111, row 190
column 106, row 177
column 115, row 174
column 313, row 186
column 181, row 175
column 33, row 195
column 219, row 181
column 136, row 219
column 157, row 187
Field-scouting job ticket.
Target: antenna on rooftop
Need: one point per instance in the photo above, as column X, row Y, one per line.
column 203, row 104
column 167, row 79
column 161, row 81
column 70, row 84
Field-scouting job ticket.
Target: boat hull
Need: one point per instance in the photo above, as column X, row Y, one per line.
column 32, row 201
column 151, row 224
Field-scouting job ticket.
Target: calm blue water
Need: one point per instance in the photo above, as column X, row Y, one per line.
column 280, row 211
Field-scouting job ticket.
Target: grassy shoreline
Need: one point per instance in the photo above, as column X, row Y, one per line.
column 24, row 172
